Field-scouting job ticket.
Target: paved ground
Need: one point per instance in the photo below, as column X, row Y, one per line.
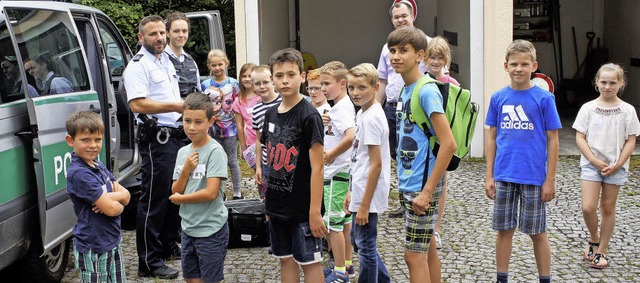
column 468, row 241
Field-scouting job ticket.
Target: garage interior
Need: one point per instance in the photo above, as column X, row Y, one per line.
column 574, row 38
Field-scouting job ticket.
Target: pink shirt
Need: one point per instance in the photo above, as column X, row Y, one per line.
column 448, row 79
column 246, row 111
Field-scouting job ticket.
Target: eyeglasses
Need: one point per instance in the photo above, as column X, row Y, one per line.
column 403, row 16
column 313, row 89
column 259, row 84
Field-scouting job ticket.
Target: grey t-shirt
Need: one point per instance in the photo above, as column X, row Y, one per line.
column 206, row 218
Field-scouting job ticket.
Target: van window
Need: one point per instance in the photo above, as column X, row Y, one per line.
column 50, row 50
column 11, row 80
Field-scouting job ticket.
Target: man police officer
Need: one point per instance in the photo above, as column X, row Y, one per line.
column 152, row 91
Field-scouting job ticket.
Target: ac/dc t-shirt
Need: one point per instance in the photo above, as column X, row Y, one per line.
column 288, row 137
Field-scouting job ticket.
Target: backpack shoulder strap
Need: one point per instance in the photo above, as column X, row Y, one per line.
column 417, row 113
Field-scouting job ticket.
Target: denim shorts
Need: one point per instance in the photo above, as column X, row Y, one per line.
column 591, row 173
column 204, row 257
column 533, row 211
column 294, row 239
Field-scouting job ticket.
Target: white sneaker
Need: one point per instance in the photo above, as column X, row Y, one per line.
column 436, row 236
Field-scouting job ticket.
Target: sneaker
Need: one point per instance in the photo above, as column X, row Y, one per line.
column 163, row 272
column 436, row 236
column 237, row 198
column 350, row 270
column 398, row 213
column 336, row 278
column 327, row 271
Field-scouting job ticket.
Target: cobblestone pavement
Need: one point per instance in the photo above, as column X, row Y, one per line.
column 468, row 253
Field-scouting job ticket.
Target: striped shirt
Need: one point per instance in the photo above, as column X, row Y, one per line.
column 258, row 120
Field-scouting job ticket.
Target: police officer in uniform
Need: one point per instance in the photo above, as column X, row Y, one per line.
column 178, row 26
column 151, row 85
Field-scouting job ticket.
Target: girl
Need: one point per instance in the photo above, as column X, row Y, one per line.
column 437, row 59
column 243, row 109
column 606, row 130
column 178, row 26
column 224, row 129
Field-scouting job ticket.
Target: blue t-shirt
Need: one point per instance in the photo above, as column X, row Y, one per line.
column 413, row 144
column 522, row 118
column 85, row 184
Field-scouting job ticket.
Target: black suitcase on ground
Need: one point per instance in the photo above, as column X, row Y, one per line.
column 247, row 223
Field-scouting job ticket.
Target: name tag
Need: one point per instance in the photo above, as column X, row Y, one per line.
column 199, row 172
column 272, row 127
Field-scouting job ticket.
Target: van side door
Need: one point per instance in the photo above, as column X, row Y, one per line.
column 47, row 40
column 205, row 34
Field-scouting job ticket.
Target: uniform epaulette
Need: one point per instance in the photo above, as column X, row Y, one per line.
column 137, row 57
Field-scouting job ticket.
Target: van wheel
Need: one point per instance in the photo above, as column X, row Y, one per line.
column 49, row 267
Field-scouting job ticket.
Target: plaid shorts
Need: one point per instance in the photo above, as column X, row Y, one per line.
column 104, row 267
column 419, row 228
column 533, row 211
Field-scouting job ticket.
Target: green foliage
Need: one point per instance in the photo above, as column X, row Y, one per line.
column 127, row 14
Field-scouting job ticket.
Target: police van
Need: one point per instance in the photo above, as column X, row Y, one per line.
column 82, row 45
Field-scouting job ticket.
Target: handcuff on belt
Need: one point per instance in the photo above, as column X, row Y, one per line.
column 164, row 133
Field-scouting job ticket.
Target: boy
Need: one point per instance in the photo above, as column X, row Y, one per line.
column 420, row 172
column 199, row 175
column 523, row 125
column 318, row 99
column 292, row 132
column 370, row 171
column 338, row 138
column 263, row 87
column 98, row 200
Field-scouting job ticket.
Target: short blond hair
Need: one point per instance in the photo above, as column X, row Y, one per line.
column 520, row 46
column 439, row 46
column 366, row 71
column 336, row 69
column 313, row 75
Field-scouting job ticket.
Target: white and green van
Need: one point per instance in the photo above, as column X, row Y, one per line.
column 85, row 47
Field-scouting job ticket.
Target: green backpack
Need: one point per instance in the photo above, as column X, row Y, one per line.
column 460, row 111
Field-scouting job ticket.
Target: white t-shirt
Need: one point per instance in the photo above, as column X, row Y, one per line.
column 343, row 116
column 324, row 107
column 606, row 129
column 372, row 129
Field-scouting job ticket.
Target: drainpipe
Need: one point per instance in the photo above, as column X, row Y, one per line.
column 294, row 24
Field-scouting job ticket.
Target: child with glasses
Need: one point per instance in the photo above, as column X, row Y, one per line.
column 263, row 87
column 318, row 100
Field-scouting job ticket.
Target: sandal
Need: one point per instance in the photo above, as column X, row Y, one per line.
column 597, row 260
column 589, row 254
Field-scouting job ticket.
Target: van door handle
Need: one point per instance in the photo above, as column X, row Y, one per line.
column 94, row 109
column 32, row 133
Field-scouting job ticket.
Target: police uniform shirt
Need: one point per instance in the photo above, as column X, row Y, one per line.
column 153, row 78
column 181, row 59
